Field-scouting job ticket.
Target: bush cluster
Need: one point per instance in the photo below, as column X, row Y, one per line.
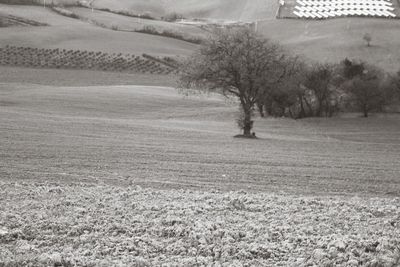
column 79, row 59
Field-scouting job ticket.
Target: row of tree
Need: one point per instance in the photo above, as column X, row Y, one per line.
column 238, row 62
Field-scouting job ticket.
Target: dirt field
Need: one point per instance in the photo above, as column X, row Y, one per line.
column 153, row 136
column 108, row 175
column 58, row 225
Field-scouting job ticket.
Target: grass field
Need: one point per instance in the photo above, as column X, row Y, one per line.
column 155, row 137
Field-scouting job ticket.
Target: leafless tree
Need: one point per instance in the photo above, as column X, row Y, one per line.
column 236, row 62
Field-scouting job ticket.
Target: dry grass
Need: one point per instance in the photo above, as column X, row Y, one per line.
column 152, row 136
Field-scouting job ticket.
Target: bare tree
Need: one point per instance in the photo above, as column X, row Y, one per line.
column 367, row 38
column 236, row 62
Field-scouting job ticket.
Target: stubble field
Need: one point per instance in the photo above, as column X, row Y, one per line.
column 141, row 175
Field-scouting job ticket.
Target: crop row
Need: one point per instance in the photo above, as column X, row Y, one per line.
column 78, row 59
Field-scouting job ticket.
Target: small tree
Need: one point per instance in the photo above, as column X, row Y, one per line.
column 367, row 38
column 236, row 62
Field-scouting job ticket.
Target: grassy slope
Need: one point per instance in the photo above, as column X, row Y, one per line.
column 155, row 137
column 74, row 34
column 333, row 40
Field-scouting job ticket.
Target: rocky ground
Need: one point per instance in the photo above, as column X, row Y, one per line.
column 82, row 225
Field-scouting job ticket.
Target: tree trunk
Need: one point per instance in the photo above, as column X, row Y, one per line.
column 260, row 107
column 310, row 109
column 302, row 112
column 248, row 123
column 365, row 111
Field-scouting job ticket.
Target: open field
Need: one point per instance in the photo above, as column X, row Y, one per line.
column 122, row 175
column 155, row 137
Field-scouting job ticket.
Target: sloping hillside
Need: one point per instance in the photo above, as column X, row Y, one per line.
column 128, row 23
column 322, row 40
column 71, row 33
column 333, row 40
